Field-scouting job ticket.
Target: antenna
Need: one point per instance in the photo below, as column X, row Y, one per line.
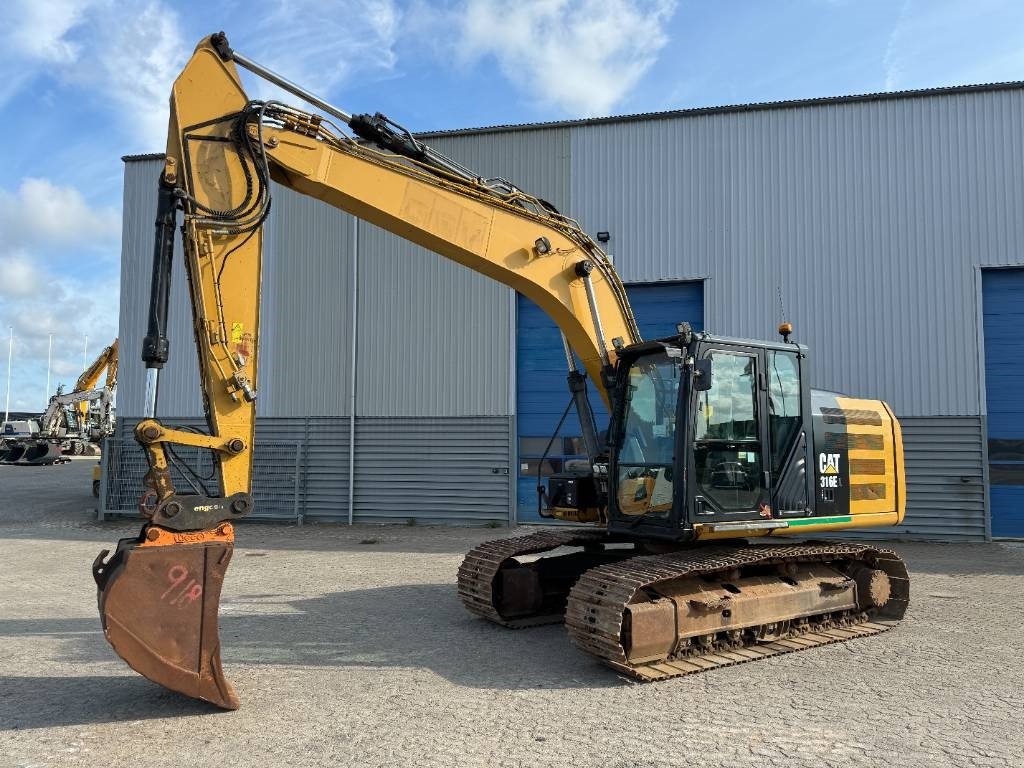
column 785, row 327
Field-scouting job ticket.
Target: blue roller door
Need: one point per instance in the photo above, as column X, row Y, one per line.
column 1003, row 308
column 541, row 393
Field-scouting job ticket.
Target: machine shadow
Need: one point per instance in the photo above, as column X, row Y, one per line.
column 418, row 625
column 410, row 626
column 42, row 702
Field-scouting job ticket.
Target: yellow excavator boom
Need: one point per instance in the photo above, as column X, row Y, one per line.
column 106, row 360
column 222, row 151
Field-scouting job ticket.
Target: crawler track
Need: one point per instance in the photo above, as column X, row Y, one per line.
column 597, row 603
column 479, row 585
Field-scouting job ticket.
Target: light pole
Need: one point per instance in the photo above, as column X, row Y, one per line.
column 10, row 352
column 85, row 351
column 49, row 358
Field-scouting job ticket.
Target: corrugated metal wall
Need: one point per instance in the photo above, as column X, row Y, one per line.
column 433, row 335
column 440, row 470
column 945, row 481
column 306, row 325
column 436, row 470
column 537, row 161
column 434, row 387
column 869, row 216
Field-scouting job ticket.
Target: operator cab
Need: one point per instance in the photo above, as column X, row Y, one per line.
column 706, row 429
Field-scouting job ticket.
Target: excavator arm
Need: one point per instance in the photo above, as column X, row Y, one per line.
column 106, row 360
column 159, row 592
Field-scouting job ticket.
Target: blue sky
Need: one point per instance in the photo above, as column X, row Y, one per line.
column 83, row 82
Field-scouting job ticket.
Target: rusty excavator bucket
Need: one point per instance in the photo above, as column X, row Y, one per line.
column 13, row 452
column 158, row 598
column 41, row 452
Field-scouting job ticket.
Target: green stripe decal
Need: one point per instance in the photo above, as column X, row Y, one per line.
column 820, row 520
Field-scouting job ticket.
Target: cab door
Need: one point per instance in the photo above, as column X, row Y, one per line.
column 729, row 461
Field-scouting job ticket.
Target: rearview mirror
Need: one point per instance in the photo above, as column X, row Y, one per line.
column 702, row 374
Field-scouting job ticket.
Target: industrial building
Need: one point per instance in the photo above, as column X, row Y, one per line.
column 396, row 385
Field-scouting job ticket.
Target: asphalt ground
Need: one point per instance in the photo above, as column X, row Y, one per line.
column 349, row 647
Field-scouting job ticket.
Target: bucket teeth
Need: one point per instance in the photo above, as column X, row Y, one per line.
column 158, row 599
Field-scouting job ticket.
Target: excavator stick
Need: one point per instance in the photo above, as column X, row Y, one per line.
column 159, row 595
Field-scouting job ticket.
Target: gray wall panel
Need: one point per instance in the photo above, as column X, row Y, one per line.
column 325, row 467
column 278, row 468
column 869, row 216
column 434, row 470
column 945, row 481
column 433, row 335
column 306, row 322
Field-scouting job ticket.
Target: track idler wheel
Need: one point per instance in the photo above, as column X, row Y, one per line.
column 873, row 586
column 159, row 596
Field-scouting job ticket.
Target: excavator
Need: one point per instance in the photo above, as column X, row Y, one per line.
column 106, row 360
column 72, row 420
column 91, row 417
column 718, row 451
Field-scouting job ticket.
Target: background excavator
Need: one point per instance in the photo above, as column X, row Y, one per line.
column 73, row 422
column 85, row 414
column 711, row 440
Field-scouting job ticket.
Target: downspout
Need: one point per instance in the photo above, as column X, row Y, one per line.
column 352, row 374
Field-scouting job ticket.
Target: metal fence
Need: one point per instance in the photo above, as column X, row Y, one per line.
column 276, row 479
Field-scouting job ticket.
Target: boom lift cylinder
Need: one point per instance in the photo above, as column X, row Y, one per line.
column 155, row 347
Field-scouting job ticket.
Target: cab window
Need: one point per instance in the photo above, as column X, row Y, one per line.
column 784, row 413
column 727, row 448
column 647, row 437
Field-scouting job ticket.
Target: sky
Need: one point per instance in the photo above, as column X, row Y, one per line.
column 84, row 82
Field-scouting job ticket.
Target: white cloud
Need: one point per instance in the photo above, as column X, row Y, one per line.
column 18, row 277
column 141, row 55
column 125, row 51
column 947, row 42
column 128, row 52
column 39, row 31
column 45, row 225
column 583, row 56
column 892, row 61
column 41, row 213
column 70, row 310
column 321, row 44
